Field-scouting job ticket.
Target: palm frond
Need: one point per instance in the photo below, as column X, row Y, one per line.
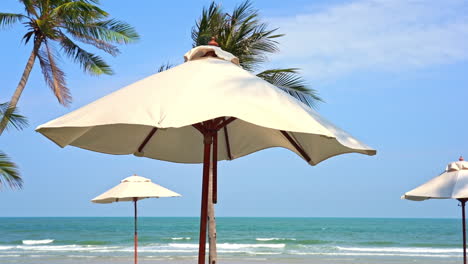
column 290, row 81
column 98, row 43
column 81, row 11
column 30, row 7
column 165, row 67
column 112, row 30
column 240, row 33
column 10, row 118
column 28, row 36
column 8, row 19
column 90, row 62
column 209, row 25
column 53, row 75
column 242, row 11
column 92, row 1
column 117, row 31
column 9, row 173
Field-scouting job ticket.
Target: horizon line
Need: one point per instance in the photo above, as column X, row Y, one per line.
column 318, row 217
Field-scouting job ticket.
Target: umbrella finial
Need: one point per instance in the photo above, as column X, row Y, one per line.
column 461, row 158
column 213, row 42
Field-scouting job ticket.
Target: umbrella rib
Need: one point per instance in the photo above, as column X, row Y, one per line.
column 215, row 168
column 228, row 146
column 225, row 123
column 294, row 143
column 148, row 137
column 200, row 128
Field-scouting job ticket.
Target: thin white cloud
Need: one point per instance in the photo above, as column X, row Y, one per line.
column 376, row 35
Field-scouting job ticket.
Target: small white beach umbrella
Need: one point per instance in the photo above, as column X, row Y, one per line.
column 134, row 188
column 451, row 184
column 202, row 111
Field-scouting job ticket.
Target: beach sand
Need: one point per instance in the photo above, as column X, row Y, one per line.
column 246, row 260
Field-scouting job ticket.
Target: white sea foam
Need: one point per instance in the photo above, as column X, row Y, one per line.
column 152, row 248
column 230, row 246
column 80, row 256
column 181, row 238
column 264, row 253
column 176, row 245
column 66, row 248
column 374, row 254
column 242, row 246
column 37, row 242
column 6, row 247
column 168, row 250
column 190, row 249
column 402, row 250
column 273, row 239
column 182, row 248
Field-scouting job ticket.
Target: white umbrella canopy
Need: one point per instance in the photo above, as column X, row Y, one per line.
column 204, row 110
column 451, row 184
column 134, row 187
column 201, row 89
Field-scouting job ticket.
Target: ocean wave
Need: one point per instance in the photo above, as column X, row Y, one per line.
column 155, row 248
column 80, row 256
column 312, row 242
column 375, row 254
column 92, row 242
column 64, row 248
column 229, row 249
column 181, row 238
column 402, row 250
column 241, row 246
column 6, row 247
column 378, row 243
column 37, row 242
column 274, row 239
column 230, row 246
column 169, row 250
column 9, row 256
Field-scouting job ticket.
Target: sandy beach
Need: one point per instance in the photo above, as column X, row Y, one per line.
column 247, row 260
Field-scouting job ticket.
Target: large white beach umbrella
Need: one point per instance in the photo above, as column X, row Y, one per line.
column 134, row 188
column 451, row 184
column 204, row 110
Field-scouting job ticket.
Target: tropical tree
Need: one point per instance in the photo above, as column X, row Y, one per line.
column 52, row 24
column 243, row 34
column 9, row 173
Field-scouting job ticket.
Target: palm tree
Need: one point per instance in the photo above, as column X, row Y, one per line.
column 60, row 23
column 8, row 170
column 9, row 173
column 244, row 35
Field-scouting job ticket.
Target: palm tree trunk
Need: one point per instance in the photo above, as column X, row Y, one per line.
column 24, row 79
column 212, row 256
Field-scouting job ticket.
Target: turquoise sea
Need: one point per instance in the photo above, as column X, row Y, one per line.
column 279, row 240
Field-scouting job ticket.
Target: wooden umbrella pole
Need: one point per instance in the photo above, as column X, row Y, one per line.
column 209, row 130
column 136, row 230
column 212, row 254
column 463, row 201
column 208, row 140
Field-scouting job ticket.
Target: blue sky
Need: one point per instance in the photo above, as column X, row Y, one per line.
column 392, row 73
